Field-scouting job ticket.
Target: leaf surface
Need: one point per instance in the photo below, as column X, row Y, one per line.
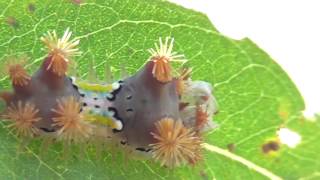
column 255, row 95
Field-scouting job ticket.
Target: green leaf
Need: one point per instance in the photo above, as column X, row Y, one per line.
column 255, row 95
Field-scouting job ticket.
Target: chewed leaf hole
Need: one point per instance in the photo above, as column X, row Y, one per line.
column 289, row 137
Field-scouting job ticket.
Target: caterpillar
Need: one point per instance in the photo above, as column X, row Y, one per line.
column 153, row 113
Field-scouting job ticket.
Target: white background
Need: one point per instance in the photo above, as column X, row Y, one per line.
column 288, row 30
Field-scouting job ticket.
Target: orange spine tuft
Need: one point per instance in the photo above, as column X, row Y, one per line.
column 161, row 58
column 175, row 144
column 17, row 73
column 60, row 51
column 57, row 64
column 161, row 69
column 23, row 118
column 70, row 121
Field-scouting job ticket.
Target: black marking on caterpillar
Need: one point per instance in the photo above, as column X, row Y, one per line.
column 75, row 87
column 115, row 92
column 47, row 129
column 116, row 116
column 129, row 110
column 143, row 149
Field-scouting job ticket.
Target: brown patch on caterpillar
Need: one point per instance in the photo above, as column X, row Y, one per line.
column 23, row 116
column 12, row 21
column 60, row 51
column 201, row 118
column 183, row 105
column 70, row 121
column 161, row 58
column 270, row 146
column 175, row 144
column 205, row 98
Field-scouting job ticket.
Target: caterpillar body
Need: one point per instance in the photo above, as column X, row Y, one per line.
column 152, row 112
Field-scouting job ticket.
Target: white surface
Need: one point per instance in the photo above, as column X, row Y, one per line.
column 289, row 137
column 288, row 30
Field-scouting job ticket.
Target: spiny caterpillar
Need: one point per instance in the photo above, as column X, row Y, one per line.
column 151, row 113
